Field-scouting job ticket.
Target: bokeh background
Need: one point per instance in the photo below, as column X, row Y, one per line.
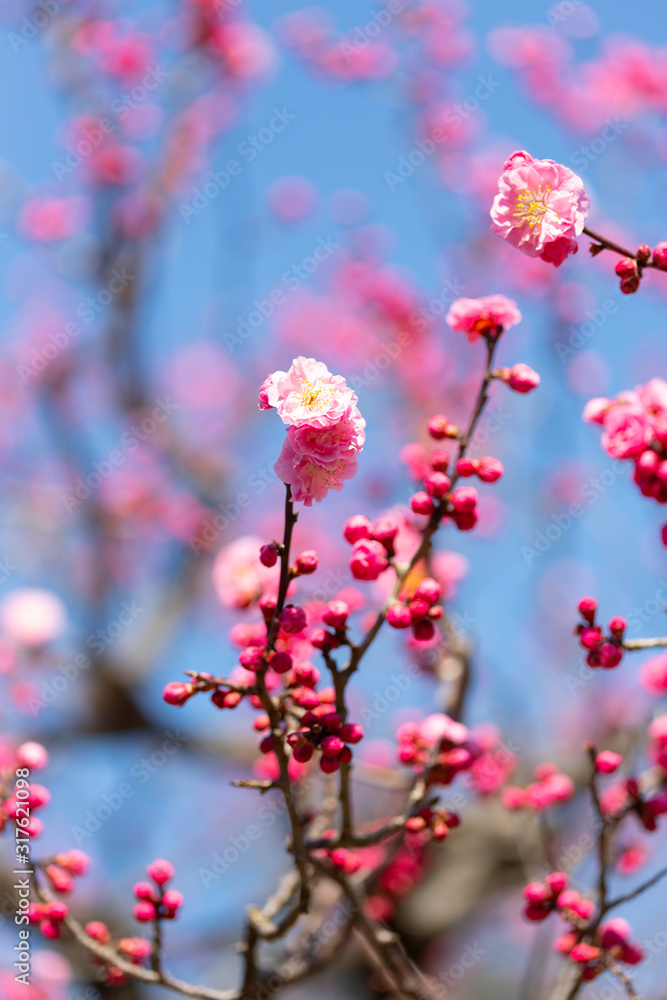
column 320, row 113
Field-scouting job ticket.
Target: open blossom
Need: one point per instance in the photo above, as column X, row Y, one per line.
column 325, row 429
column 627, row 431
column 307, row 395
column 540, row 207
column 485, row 316
column 330, row 444
column 311, row 480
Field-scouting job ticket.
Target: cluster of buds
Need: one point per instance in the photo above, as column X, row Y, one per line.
column 134, row 949
column 489, row 470
column 440, row 742
column 438, row 823
column 549, row 788
column 321, row 730
column 304, row 564
column 62, row 869
column 544, row 898
column 611, row 944
column 345, row 861
column 373, row 545
column 603, row 650
column 334, row 614
column 460, row 504
column 28, row 757
column 49, row 916
column 646, row 809
column 419, row 613
column 520, row 377
column 630, row 269
column 154, row 901
column 650, row 473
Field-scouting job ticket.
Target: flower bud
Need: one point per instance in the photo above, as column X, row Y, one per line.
column 429, row 590
column 617, row 626
column 144, row 912
column 521, row 378
column 439, row 460
column 306, row 563
column 660, row 256
column 98, row 931
column 280, row 662
column 160, row 871
column 399, row 616
column 626, row 268
column 587, row 607
column 351, row 732
column 268, row 554
column 335, row 614
column 421, row 503
column 489, row 470
column 466, row 467
column 292, row 619
column 357, row 527
column 177, row 693
column 607, row 762
column 252, row 658
column 437, row 484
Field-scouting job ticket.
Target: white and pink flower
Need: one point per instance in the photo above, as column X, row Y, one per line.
column 325, row 429
column 540, row 208
column 307, row 395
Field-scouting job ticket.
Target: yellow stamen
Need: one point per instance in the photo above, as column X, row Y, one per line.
column 532, row 205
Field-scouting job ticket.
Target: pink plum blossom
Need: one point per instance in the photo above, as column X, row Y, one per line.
column 307, row 394
column 539, row 204
column 485, row 316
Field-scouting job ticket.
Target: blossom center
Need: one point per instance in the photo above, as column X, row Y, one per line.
column 310, row 394
column 533, row 205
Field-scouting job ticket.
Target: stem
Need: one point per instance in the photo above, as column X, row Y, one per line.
column 637, row 892
column 606, row 244
column 274, row 714
column 631, row 644
column 602, row 839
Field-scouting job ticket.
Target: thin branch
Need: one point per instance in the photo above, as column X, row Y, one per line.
column 644, row 643
column 605, row 244
column 637, row 892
